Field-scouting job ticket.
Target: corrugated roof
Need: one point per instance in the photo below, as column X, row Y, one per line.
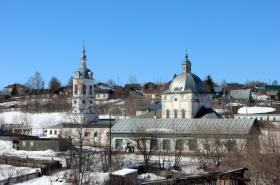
column 184, row 126
column 241, row 94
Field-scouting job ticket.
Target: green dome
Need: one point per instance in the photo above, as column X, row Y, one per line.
column 187, row 82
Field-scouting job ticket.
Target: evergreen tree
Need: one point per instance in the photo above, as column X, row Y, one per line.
column 54, row 84
column 209, row 83
column 14, row 91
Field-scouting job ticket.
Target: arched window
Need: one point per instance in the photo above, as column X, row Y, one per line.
column 84, row 90
column 175, row 113
column 90, row 90
column 183, row 112
column 167, row 113
column 76, row 89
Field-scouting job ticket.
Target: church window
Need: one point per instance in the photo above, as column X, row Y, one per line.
column 90, row 102
column 84, row 89
column 76, row 89
column 175, row 113
column 90, row 90
column 167, row 113
column 183, row 112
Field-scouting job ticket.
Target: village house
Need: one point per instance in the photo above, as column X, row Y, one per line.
column 21, row 89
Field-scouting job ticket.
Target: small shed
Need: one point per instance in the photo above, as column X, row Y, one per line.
column 124, row 177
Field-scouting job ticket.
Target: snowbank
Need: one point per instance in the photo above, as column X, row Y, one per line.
column 6, row 148
column 256, row 110
column 124, row 172
column 8, row 171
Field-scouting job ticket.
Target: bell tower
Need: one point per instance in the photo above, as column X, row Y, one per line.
column 83, row 93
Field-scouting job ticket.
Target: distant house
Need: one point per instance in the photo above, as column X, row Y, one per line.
column 150, row 110
column 41, row 144
column 94, row 134
column 241, row 95
column 103, row 94
column 54, row 131
column 66, row 90
column 271, row 91
column 21, row 89
column 33, row 143
column 260, row 117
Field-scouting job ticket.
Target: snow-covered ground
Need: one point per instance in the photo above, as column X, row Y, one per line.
column 256, row 110
column 97, row 178
column 41, row 121
column 6, row 148
column 8, row 171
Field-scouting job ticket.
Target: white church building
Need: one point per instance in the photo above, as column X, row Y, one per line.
column 187, row 120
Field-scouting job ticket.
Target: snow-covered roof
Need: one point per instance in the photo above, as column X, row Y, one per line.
column 256, row 110
column 124, row 172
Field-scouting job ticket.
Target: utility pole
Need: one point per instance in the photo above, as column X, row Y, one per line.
column 110, row 141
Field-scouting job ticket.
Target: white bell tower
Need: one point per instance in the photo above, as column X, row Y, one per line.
column 83, row 93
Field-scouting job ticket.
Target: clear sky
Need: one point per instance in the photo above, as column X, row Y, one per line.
column 235, row 40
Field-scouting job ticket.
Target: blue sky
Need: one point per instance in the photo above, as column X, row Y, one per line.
column 235, row 40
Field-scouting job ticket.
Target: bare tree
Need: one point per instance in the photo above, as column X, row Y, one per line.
column 35, row 82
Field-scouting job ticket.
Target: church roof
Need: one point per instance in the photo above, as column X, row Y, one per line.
column 187, row 81
column 184, row 126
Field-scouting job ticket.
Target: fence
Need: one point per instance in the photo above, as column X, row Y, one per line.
column 234, row 177
column 46, row 165
column 20, row 179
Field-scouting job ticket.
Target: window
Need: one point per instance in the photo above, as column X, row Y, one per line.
column 175, row 113
column 153, row 144
column 55, row 132
column 167, row 114
column 90, row 90
column 95, row 134
column 119, row 143
column 175, row 99
column 87, row 134
column 50, row 132
column 261, row 118
column 90, row 102
column 166, row 144
column 23, row 143
column 183, row 112
column 84, row 101
column 84, row 90
column 231, row 145
column 179, row 145
column 192, row 143
column 274, row 118
column 31, row 143
column 76, row 89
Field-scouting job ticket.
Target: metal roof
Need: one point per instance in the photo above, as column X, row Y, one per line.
column 184, row 126
column 187, row 82
column 241, row 94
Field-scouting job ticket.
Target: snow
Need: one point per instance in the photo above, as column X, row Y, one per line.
column 8, row 171
column 6, row 148
column 124, row 172
column 38, row 121
column 259, row 97
column 150, row 177
column 256, row 110
column 97, row 178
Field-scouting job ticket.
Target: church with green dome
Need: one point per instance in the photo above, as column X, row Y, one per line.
column 186, row 95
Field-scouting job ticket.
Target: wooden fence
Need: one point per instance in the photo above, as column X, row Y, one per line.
column 46, row 165
column 20, row 179
column 234, row 177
